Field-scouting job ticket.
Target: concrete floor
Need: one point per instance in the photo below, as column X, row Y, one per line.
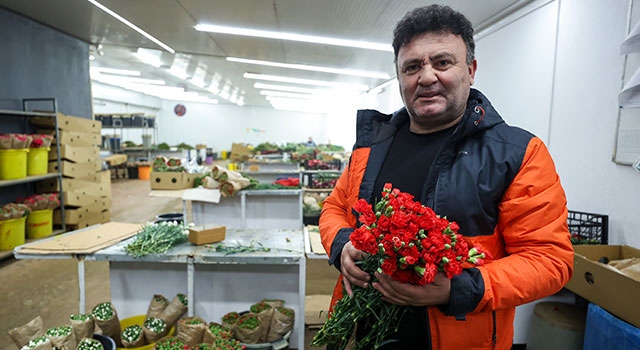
column 49, row 287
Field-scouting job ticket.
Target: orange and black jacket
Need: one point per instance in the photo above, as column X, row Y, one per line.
column 500, row 185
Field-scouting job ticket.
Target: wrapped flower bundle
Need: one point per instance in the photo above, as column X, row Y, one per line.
column 41, row 201
column 409, row 242
column 248, row 328
column 154, row 329
column 41, row 141
column 157, row 305
column 215, row 331
column 173, row 343
column 106, row 318
column 83, row 326
column 39, row 343
column 13, row 211
column 23, row 334
column 90, row 344
column 282, row 321
column 264, row 311
column 133, row 336
column 15, row 141
column 176, row 308
column 61, row 337
column 229, row 319
column 191, row 330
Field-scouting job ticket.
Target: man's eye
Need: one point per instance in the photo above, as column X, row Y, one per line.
column 443, row 63
column 412, row 68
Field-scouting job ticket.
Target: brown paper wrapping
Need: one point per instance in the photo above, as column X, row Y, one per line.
column 151, row 336
column 191, row 334
column 83, row 329
column 136, row 342
column 157, row 305
column 111, row 327
column 30, row 330
column 280, row 324
column 67, row 342
column 173, row 311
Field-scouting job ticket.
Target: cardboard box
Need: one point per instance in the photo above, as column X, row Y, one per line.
column 68, row 122
column 188, row 179
column 76, row 154
column 76, row 170
column 79, row 186
column 81, row 199
column 240, row 152
column 207, row 234
column 604, row 285
column 166, row 180
column 79, row 139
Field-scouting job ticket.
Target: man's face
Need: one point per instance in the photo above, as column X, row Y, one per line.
column 434, row 80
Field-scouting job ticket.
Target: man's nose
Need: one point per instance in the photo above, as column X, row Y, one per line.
column 427, row 75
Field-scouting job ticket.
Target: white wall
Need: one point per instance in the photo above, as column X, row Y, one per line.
column 219, row 126
column 555, row 71
column 584, row 113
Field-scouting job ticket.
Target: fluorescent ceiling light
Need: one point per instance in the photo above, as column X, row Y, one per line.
column 282, row 79
column 116, row 71
column 138, row 80
column 285, row 94
column 293, row 37
column 131, row 25
column 149, row 56
column 358, row 73
column 264, row 86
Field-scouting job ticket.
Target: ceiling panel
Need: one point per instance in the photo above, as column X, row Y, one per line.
column 173, row 21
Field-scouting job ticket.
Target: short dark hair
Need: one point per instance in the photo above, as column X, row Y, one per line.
column 433, row 18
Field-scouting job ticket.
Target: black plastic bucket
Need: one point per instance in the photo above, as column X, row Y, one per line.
column 178, row 217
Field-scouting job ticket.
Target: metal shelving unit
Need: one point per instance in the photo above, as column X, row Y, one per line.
column 27, row 113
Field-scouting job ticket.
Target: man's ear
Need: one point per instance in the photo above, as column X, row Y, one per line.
column 472, row 70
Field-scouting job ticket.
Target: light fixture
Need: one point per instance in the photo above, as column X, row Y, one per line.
column 149, row 56
column 285, row 94
column 131, row 25
column 264, row 86
column 292, row 36
column 360, row 87
column 353, row 72
column 115, row 71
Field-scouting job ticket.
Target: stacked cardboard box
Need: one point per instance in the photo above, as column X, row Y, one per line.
column 86, row 188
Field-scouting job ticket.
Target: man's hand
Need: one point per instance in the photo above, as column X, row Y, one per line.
column 351, row 273
column 435, row 293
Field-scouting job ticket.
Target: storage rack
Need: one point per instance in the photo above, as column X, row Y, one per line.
column 26, row 113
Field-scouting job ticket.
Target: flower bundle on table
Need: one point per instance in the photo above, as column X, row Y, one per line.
column 13, row 211
column 409, row 242
column 43, row 201
column 21, row 141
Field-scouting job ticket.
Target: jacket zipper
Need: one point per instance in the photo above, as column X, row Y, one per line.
column 494, row 339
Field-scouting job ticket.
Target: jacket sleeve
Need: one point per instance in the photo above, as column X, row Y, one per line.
column 337, row 219
column 537, row 255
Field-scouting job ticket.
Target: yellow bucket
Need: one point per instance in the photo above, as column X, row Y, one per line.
column 13, row 163
column 38, row 161
column 11, row 233
column 40, row 223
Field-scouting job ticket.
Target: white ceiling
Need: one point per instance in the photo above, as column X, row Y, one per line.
column 173, row 21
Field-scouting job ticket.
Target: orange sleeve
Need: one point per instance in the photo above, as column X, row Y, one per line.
column 533, row 225
column 336, row 209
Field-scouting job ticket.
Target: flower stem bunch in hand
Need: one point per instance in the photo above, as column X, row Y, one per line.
column 409, row 242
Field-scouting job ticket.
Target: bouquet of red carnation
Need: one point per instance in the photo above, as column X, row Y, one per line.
column 407, row 241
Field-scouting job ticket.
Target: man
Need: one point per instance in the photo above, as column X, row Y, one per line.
column 451, row 149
